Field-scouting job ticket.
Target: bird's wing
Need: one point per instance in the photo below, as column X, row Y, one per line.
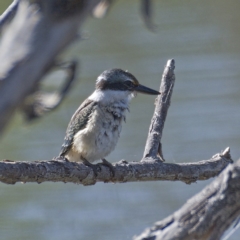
column 78, row 122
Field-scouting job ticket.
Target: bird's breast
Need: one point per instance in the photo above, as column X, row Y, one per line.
column 101, row 134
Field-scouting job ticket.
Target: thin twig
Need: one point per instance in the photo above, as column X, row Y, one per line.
column 153, row 146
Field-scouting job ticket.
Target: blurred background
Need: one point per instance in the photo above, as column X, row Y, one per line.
column 203, row 37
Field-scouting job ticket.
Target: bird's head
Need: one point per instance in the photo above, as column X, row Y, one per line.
column 120, row 80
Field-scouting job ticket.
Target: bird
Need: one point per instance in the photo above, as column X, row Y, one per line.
column 95, row 127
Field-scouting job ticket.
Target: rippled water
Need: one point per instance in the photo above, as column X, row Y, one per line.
column 203, row 37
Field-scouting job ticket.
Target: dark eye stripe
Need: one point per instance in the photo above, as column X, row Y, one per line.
column 129, row 84
column 122, row 86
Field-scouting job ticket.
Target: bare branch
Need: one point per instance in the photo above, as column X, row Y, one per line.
column 153, row 145
column 39, row 102
column 206, row 215
column 102, row 8
column 146, row 11
column 39, row 31
column 9, row 13
column 64, row 171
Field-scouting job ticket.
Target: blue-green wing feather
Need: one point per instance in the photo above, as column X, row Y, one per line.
column 78, row 122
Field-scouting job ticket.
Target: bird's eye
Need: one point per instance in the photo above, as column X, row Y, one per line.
column 129, row 83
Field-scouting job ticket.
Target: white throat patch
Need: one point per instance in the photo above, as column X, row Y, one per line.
column 111, row 96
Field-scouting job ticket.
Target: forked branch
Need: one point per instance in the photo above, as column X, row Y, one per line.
column 150, row 169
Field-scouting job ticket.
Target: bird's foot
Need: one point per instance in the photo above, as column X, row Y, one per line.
column 60, row 158
column 109, row 165
column 94, row 167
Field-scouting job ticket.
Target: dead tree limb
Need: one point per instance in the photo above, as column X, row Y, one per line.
column 9, row 13
column 37, row 32
column 147, row 169
column 207, row 215
column 40, row 30
column 146, row 10
column 40, row 102
column 153, row 147
column 65, row 171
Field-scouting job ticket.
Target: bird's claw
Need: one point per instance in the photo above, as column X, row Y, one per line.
column 109, row 165
column 94, row 167
column 60, row 158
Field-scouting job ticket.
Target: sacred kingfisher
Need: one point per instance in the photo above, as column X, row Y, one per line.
column 95, row 127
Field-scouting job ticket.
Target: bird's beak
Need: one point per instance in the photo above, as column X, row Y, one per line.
column 142, row 89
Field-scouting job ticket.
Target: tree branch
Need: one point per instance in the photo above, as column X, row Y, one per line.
column 148, row 169
column 39, row 102
column 207, row 215
column 40, row 30
column 9, row 13
column 64, row 171
column 153, row 146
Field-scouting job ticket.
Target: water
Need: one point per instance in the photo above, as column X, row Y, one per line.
column 203, row 37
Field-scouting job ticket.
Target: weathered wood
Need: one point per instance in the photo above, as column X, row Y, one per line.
column 39, row 103
column 40, row 30
column 8, row 14
column 153, row 147
column 207, row 215
column 65, row 171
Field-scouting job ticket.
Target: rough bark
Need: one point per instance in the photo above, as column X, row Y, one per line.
column 40, row 30
column 207, row 215
column 65, row 171
column 153, row 148
column 148, row 169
